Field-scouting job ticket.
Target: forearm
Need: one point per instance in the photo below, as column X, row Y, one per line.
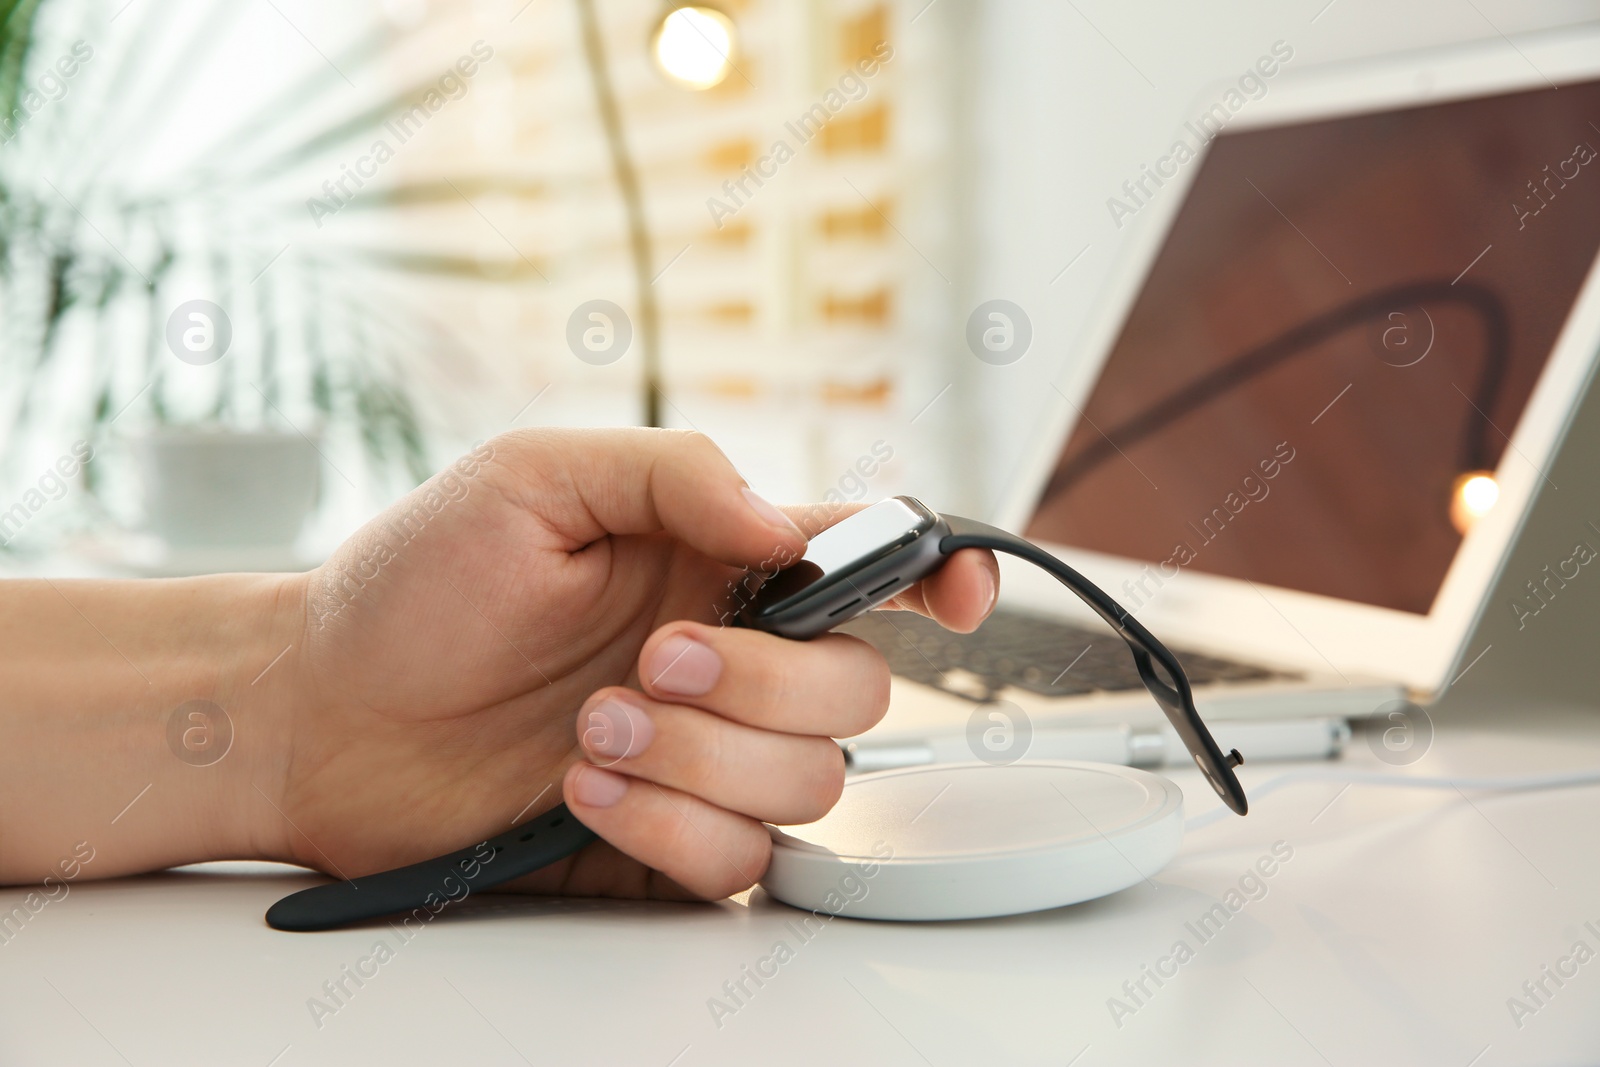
column 96, row 747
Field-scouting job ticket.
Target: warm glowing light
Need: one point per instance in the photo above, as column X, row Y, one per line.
column 694, row 46
column 1474, row 494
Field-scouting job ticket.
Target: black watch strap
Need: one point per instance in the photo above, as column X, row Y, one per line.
column 434, row 884
column 1159, row 669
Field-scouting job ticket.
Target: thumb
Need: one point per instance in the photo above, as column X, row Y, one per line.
column 585, row 484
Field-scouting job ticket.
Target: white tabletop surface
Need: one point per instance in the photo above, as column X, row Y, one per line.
column 1396, row 933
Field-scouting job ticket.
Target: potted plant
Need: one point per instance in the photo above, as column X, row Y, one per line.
column 177, row 332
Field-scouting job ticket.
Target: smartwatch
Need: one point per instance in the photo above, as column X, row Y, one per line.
column 858, row 564
column 862, row 561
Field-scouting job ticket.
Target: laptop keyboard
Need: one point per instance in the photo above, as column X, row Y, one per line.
column 1030, row 652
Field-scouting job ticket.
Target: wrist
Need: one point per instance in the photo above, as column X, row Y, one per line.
column 146, row 720
column 254, row 674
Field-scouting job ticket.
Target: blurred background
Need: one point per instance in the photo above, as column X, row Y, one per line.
column 265, row 265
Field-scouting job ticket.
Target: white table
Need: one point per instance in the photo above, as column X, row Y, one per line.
column 1395, row 934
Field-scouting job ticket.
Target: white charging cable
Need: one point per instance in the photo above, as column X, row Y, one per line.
column 1507, row 784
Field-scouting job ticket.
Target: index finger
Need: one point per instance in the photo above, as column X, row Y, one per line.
column 586, row 484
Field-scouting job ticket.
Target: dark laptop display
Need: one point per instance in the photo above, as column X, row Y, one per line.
column 1341, row 330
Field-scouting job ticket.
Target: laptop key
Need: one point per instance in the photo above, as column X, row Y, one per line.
column 1029, row 652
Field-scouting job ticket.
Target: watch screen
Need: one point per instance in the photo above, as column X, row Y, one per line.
column 846, row 546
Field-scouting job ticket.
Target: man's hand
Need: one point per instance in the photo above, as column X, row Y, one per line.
column 541, row 623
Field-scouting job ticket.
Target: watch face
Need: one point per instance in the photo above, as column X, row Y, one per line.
column 846, row 547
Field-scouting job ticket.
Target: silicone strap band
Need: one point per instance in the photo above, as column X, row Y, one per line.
column 1152, row 658
column 436, row 883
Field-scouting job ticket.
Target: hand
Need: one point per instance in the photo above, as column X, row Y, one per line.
column 541, row 623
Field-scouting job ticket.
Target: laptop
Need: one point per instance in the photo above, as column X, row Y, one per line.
column 1352, row 321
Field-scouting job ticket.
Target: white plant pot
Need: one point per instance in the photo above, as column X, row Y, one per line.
column 226, row 489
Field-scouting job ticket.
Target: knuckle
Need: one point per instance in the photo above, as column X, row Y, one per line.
column 754, row 850
column 771, row 672
column 693, row 864
column 840, row 674
column 877, row 686
column 782, row 682
column 696, row 445
column 734, row 864
column 817, row 780
column 676, row 831
column 707, row 763
column 726, row 882
column 868, row 693
column 825, row 782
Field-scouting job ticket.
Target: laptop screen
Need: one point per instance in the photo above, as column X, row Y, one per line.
column 1318, row 378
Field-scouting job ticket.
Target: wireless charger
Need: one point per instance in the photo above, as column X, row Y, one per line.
column 971, row 840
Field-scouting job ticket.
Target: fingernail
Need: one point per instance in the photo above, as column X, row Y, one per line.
column 684, row 666
column 991, row 591
column 617, row 729
column 597, row 788
column 769, row 514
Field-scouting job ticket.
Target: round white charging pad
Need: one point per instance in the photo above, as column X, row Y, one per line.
column 970, row 840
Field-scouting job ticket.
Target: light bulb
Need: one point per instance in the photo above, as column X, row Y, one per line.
column 694, row 46
column 1473, row 494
